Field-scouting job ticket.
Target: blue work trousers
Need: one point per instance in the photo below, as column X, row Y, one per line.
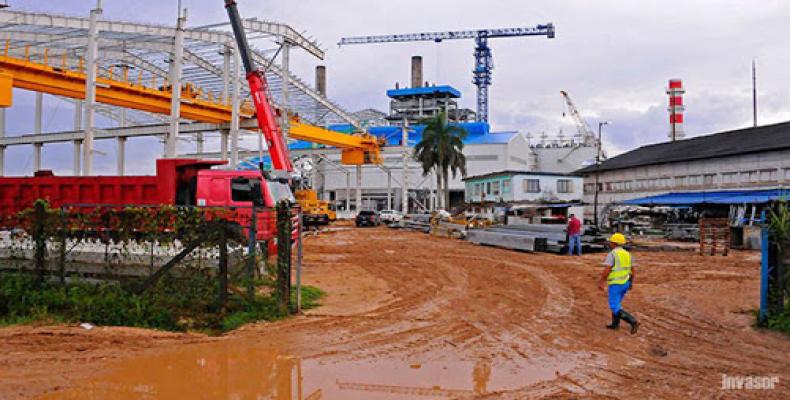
column 616, row 295
column 574, row 241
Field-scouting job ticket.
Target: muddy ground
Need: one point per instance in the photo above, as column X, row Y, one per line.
column 414, row 316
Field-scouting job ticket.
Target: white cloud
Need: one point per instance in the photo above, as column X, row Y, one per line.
column 613, row 57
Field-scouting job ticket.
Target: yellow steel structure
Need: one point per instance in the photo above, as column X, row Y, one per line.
column 60, row 81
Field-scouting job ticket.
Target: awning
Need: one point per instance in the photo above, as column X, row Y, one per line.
column 712, row 197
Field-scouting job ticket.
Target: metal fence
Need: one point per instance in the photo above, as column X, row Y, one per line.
column 237, row 247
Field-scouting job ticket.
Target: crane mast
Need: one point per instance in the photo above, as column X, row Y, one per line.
column 483, row 59
column 585, row 132
column 256, row 79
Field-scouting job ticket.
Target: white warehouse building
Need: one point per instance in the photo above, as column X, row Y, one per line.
column 743, row 159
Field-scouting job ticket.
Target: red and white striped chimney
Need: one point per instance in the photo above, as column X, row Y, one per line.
column 676, row 108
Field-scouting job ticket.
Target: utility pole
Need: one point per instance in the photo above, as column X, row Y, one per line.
column 754, row 92
column 598, row 156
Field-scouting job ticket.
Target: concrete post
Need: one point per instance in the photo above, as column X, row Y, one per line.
column 39, row 113
column 223, row 143
column 90, row 90
column 121, row 142
column 286, row 60
column 405, row 170
column 389, row 189
column 121, row 146
column 2, row 135
column 236, row 102
column 77, row 157
column 359, row 188
column 37, row 156
column 200, row 141
column 175, row 86
column 348, row 192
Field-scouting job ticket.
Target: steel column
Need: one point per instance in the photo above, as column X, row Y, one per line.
column 286, row 60
column 236, row 102
column 90, row 90
column 175, row 86
column 358, row 197
column 405, row 170
column 226, row 74
column 389, row 189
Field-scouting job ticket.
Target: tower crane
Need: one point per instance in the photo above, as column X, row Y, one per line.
column 483, row 59
column 586, row 133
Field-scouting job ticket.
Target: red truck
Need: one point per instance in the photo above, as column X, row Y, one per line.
column 178, row 182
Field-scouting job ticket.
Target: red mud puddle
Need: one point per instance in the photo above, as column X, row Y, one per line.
column 243, row 370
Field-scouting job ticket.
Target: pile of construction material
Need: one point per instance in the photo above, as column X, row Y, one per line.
column 532, row 237
column 415, row 222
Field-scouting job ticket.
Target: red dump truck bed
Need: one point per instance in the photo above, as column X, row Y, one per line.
column 172, row 180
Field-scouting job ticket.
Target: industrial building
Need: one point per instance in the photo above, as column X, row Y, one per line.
column 513, row 188
column 737, row 160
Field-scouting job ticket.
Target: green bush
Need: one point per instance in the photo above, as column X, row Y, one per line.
column 177, row 304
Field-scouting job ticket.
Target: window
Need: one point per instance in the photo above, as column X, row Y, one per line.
column 495, row 188
column 693, row 180
column 589, row 188
column 246, row 190
column 787, row 173
column 476, row 190
column 488, row 187
column 532, row 185
column 506, row 186
column 564, row 186
column 729, row 178
column 750, row 176
column 767, row 175
column 709, row 179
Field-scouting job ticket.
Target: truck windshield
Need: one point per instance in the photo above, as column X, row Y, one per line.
column 246, row 190
column 280, row 191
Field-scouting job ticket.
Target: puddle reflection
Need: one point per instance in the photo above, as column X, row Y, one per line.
column 230, row 370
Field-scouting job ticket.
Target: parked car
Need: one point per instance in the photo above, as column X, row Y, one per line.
column 368, row 218
column 391, row 216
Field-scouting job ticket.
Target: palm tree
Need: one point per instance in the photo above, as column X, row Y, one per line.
column 441, row 151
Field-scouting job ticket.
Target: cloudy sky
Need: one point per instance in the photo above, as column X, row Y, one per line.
column 613, row 57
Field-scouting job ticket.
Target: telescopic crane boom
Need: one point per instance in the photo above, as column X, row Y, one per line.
column 267, row 121
column 585, row 132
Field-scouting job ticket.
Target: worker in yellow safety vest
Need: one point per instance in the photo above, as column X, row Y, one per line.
column 619, row 277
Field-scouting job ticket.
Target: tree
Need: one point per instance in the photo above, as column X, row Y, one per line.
column 441, row 151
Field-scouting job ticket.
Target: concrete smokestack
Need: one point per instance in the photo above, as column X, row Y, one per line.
column 320, row 79
column 416, row 71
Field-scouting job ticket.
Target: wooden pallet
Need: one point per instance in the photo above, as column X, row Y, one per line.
column 714, row 236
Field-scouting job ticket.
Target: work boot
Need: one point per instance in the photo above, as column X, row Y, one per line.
column 631, row 321
column 615, row 321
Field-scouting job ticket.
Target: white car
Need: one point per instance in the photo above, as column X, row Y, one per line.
column 390, row 216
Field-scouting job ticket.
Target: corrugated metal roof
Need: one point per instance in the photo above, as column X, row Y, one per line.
column 729, row 143
column 712, row 197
